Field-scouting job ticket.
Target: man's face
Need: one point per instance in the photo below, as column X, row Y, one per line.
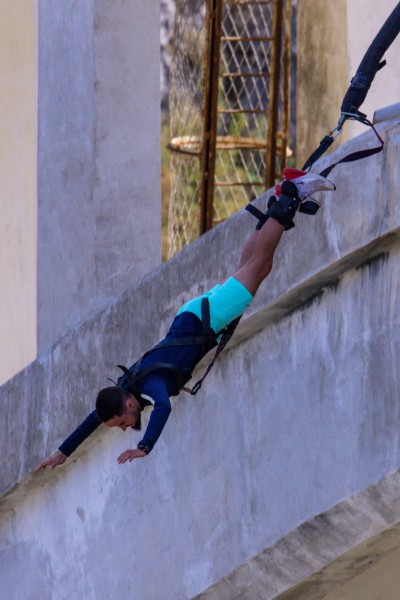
column 129, row 418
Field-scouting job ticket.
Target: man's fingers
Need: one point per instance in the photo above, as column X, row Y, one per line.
column 42, row 466
column 130, row 455
column 52, row 462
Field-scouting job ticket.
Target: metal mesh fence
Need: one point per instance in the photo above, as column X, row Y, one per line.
column 229, row 125
column 186, row 127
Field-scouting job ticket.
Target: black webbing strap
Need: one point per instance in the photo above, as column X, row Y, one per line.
column 142, row 372
column 256, row 212
column 360, row 153
column 226, row 336
column 181, row 376
column 207, row 341
column 206, row 323
column 190, row 340
column 132, row 386
column 322, row 148
column 330, row 137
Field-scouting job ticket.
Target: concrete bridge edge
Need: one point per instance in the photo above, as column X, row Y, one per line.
column 322, row 553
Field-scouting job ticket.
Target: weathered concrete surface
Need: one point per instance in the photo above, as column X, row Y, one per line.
column 333, row 554
column 301, row 413
column 98, row 156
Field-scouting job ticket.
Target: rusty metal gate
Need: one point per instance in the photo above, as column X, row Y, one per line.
column 229, row 109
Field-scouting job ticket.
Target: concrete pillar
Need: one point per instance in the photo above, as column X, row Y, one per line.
column 18, row 134
column 80, row 128
column 332, row 39
column 99, row 174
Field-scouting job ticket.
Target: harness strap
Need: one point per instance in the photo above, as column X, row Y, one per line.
column 207, row 340
column 322, row 148
column 193, row 340
column 132, row 386
column 208, row 334
column 226, row 336
column 257, row 213
column 360, row 153
column 181, row 376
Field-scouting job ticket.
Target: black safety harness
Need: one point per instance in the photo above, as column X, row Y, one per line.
column 207, row 339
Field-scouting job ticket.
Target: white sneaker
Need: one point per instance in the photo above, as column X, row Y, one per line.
column 311, row 183
column 306, row 183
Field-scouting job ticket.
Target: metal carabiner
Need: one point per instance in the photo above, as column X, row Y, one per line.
column 338, row 129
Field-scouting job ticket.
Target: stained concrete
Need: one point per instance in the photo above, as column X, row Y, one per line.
column 298, row 415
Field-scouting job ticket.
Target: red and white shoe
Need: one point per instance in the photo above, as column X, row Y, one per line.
column 291, row 195
column 306, row 183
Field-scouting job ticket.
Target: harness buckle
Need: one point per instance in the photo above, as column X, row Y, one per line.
column 195, row 388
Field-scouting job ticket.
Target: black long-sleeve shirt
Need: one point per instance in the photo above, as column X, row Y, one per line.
column 158, row 386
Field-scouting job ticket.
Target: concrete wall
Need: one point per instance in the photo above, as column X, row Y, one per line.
column 332, row 38
column 18, row 134
column 300, row 413
column 80, row 156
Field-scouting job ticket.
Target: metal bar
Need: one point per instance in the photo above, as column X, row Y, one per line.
column 254, row 74
column 236, row 38
column 183, row 151
column 238, row 183
column 248, row 2
column 242, row 147
column 270, row 167
column 210, row 102
column 241, row 110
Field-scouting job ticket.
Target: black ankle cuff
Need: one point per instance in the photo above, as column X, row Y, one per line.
column 284, row 210
column 265, row 217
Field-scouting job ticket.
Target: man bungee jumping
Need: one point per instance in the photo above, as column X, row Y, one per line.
column 198, row 326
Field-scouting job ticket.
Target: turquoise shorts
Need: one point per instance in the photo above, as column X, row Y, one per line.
column 228, row 301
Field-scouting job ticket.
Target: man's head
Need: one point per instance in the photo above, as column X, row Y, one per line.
column 117, row 407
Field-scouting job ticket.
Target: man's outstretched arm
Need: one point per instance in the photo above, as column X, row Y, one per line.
column 86, row 428
column 54, row 461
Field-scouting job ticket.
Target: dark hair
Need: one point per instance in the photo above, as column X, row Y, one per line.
column 110, row 402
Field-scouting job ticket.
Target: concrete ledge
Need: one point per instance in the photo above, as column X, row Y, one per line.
column 322, row 554
column 44, row 402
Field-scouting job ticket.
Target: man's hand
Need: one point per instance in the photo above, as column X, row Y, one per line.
column 130, row 455
column 54, row 461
